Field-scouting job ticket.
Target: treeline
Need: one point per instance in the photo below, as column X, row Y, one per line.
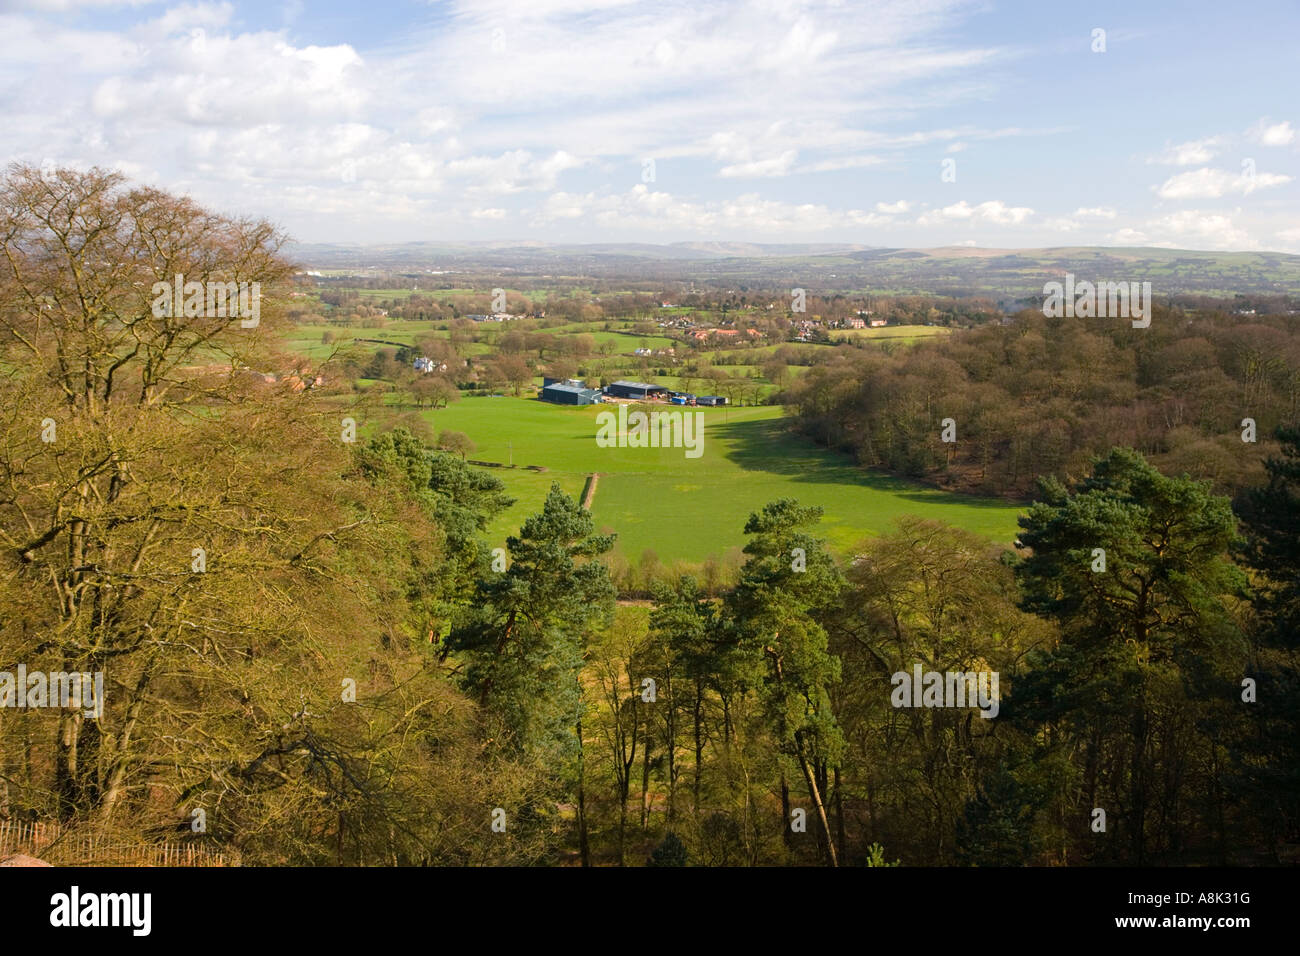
column 1043, row 396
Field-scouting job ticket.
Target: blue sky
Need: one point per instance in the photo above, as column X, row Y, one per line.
column 616, row 121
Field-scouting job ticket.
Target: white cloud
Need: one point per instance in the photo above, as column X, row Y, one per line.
column 893, row 208
column 511, row 172
column 1061, row 225
column 656, row 211
column 1276, row 134
column 1095, row 212
column 1129, row 237
column 995, row 212
column 773, row 166
column 1189, row 153
column 1209, row 183
column 859, row 217
column 185, row 17
column 1192, row 229
column 844, row 162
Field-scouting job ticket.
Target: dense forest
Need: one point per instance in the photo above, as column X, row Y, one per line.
column 1040, row 396
column 305, row 634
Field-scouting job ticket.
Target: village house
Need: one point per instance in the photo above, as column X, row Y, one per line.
column 426, row 365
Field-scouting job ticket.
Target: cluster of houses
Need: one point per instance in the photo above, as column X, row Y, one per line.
column 506, row 316
column 805, row 328
column 573, row 391
column 686, row 325
column 680, row 322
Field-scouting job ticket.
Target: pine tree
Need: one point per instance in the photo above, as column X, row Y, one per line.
column 788, row 586
column 1271, row 516
column 1148, row 640
column 523, row 645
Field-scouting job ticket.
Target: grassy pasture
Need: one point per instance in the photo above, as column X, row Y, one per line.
column 692, row 507
column 904, row 333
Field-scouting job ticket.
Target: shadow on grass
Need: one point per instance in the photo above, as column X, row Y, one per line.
column 768, row 445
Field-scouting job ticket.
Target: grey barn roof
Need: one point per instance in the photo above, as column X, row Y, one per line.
column 557, row 387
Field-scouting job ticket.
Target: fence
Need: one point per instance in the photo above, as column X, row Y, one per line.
column 54, row 844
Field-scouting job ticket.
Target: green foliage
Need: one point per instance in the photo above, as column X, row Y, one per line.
column 1164, row 596
column 522, row 643
column 788, row 587
column 876, row 856
column 1271, row 515
column 996, row 827
column 776, row 612
column 462, row 499
column 1148, row 646
column 670, row 852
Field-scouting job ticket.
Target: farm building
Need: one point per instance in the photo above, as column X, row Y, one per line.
column 710, row 400
column 570, row 395
column 638, row 390
column 548, row 380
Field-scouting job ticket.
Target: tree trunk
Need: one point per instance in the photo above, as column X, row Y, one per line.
column 699, row 744
column 1137, row 787
column 786, row 834
column 645, row 781
column 815, row 794
column 839, row 813
column 584, row 850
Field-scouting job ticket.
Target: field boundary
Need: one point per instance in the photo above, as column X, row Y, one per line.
column 589, row 489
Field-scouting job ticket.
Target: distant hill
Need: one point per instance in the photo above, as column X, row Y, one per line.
column 1003, row 274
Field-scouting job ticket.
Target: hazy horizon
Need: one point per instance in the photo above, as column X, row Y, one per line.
column 829, row 247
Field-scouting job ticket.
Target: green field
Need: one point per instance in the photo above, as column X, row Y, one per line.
column 306, row 339
column 904, row 333
column 690, row 508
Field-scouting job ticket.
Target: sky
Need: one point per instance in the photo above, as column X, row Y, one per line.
column 916, row 123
